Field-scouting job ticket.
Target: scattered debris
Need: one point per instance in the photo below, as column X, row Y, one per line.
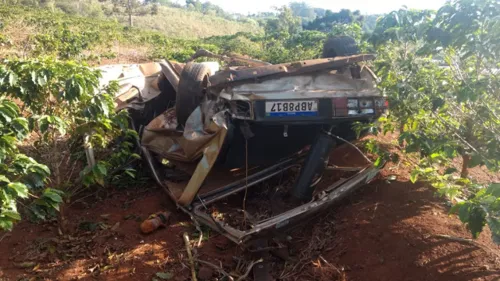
column 154, row 222
column 26, row 264
column 190, row 256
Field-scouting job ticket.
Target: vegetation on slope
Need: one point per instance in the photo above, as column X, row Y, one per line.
column 176, row 22
column 179, row 23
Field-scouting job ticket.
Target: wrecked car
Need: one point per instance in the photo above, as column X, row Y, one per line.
column 210, row 133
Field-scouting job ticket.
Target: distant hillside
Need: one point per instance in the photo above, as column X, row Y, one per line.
column 28, row 32
column 174, row 21
column 182, row 23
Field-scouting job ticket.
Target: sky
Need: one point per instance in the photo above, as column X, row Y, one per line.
column 365, row 6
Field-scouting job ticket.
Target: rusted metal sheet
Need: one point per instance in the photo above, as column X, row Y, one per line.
column 170, row 73
column 294, row 68
column 210, row 154
column 233, row 75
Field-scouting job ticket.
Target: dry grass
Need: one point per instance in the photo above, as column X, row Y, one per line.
column 309, row 263
column 179, row 23
column 18, row 34
column 124, row 53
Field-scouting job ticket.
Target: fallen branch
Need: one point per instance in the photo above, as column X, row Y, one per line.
column 467, row 241
column 190, row 256
column 459, row 239
column 249, row 268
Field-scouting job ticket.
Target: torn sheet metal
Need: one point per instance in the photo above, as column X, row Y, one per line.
column 203, row 136
column 132, row 79
column 324, row 84
column 261, row 73
column 162, row 138
column 210, row 155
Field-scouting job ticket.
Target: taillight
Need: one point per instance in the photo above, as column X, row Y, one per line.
column 358, row 106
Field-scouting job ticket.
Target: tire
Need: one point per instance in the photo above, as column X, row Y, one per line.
column 191, row 89
column 340, row 46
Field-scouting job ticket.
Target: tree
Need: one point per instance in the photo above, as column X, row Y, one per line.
column 194, row 5
column 303, row 10
column 326, row 22
column 132, row 8
column 402, row 25
column 284, row 25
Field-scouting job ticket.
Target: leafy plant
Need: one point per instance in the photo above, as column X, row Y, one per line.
column 59, row 98
column 443, row 93
column 20, row 175
column 65, row 43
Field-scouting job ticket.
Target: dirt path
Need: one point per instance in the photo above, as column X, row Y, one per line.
column 386, row 231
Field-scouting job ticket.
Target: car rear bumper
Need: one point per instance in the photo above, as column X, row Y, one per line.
column 327, row 110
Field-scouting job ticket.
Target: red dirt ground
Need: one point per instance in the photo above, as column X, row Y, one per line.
column 388, row 230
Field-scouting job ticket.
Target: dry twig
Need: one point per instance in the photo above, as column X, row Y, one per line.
column 330, row 265
column 249, row 268
column 190, row 255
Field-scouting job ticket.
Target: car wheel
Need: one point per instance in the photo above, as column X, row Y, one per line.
column 339, row 46
column 192, row 87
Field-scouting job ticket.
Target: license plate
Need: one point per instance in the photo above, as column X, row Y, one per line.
column 292, row 108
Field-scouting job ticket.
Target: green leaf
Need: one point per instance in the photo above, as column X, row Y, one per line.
column 164, row 275
column 494, row 189
column 4, row 179
column 414, row 176
column 102, row 170
column 477, row 220
column 43, row 124
column 20, row 189
column 475, row 160
column 130, row 173
column 463, row 212
column 494, row 224
column 12, row 79
column 456, row 207
column 435, row 155
column 11, row 214
column 54, row 196
column 450, row 171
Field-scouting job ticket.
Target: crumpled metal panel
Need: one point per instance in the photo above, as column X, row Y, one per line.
column 324, row 84
column 162, row 138
column 227, row 77
column 202, row 137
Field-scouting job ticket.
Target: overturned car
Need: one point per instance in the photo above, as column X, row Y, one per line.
column 214, row 137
